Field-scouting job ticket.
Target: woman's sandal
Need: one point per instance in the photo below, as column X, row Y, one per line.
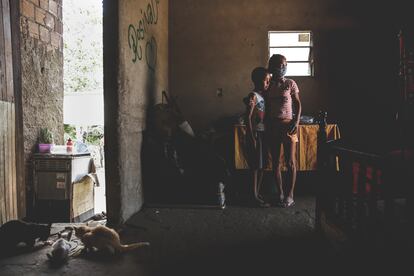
column 289, row 203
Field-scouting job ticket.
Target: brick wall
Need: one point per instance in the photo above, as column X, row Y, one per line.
column 42, row 20
column 41, row 48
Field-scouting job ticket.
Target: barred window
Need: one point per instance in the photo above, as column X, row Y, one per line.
column 296, row 46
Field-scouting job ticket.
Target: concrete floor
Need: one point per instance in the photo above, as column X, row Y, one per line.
column 233, row 241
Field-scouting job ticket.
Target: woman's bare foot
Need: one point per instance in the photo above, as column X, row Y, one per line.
column 289, row 202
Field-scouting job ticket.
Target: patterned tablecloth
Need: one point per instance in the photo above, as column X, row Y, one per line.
column 305, row 151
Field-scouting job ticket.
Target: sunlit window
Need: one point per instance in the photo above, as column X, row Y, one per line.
column 296, row 46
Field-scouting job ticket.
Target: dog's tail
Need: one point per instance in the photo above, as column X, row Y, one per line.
column 132, row 246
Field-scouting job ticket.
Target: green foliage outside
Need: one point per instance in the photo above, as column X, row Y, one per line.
column 70, row 132
column 82, row 48
column 93, row 135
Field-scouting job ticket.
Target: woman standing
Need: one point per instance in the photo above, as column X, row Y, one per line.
column 282, row 98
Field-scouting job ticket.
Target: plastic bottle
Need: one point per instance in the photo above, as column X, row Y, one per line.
column 221, row 196
column 69, row 146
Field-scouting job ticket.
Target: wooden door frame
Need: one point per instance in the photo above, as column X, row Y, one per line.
column 17, row 82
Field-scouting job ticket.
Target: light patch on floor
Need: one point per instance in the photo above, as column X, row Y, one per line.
column 100, row 197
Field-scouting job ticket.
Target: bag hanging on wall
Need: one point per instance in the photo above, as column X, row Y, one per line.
column 166, row 118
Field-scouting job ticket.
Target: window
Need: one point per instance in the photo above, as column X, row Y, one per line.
column 296, row 46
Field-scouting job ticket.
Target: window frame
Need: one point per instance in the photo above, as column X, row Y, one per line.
column 309, row 61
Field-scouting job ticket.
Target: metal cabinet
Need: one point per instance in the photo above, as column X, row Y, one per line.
column 55, row 179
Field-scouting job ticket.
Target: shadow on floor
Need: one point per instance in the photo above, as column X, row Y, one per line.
column 233, row 241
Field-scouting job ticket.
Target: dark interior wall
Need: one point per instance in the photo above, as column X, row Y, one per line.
column 360, row 66
column 41, row 72
column 215, row 44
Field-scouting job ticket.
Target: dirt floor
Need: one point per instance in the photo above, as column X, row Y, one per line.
column 234, row 241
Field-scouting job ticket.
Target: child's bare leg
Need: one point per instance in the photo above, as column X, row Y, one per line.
column 279, row 181
column 255, row 184
column 258, row 175
column 257, row 178
column 260, row 184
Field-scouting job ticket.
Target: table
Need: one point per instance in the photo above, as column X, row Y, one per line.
column 305, row 151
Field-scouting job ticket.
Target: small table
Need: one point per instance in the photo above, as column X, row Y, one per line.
column 59, row 197
column 306, row 148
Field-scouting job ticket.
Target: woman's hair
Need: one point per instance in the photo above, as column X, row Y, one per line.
column 259, row 74
column 274, row 59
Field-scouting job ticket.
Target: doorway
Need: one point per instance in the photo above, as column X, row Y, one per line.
column 83, row 85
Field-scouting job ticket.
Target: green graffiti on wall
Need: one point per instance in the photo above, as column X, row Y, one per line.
column 138, row 35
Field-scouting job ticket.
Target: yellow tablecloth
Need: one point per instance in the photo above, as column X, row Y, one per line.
column 305, row 151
